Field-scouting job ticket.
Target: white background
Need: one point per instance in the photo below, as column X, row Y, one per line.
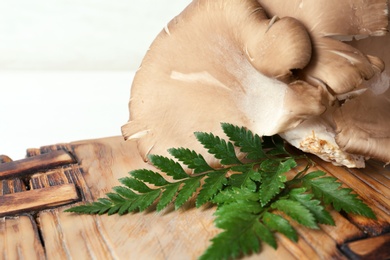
column 66, row 66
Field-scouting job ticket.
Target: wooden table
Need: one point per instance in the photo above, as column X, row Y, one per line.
column 35, row 191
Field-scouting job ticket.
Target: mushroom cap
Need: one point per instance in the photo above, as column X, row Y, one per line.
column 226, row 61
column 360, row 127
column 337, row 19
column 339, row 66
column 363, row 126
column 336, row 65
column 220, row 61
column 363, row 123
column 379, row 47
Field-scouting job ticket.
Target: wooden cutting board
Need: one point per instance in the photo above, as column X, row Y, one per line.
column 35, row 191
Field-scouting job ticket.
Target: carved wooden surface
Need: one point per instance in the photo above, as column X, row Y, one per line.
column 38, row 199
column 369, row 249
column 31, row 164
column 95, row 168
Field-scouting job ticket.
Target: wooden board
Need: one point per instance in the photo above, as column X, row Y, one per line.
column 19, row 238
column 96, row 166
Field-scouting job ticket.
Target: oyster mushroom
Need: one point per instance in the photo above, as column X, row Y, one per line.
column 220, row 61
column 341, row 20
column 226, row 61
column 363, row 123
column 357, row 128
column 335, row 64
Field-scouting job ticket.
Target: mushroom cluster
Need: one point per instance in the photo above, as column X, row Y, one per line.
column 275, row 67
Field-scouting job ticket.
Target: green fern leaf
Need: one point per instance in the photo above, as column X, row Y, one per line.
column 140, row 203
column 135, row 184
column 192, row 159
column 328, row 189
column 214, row 182
column 321, row 215
column 90, row 208
column 246, row 140
column 240, row 236
column 296, row 211
column 274, row 145
column 115, row 203
column 115, row 198
column 265, row 234
column 124, row 208
column 313, row 175
column 125, row 192
column 234, row 242
column 234, row 194
column 149, row 176
column 187, row 191
column 144, row 200
column 246, row 179
column 114, row 209
column 274, row 178
column 247, row 193
column 277, row 223
column 169, row 166
column 168, row 195
column 219, row 148
column 228, row 213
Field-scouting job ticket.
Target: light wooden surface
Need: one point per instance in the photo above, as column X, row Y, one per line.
column 170, row 234
column 19, row 238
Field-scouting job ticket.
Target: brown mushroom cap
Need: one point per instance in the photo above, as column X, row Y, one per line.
column 379, row 47
column 360, row 127
column 363, row 126
column 339, row 66
column 225, row 61
column 334, row 18
column 219, row 61
column 334, row 64
column 363, row 123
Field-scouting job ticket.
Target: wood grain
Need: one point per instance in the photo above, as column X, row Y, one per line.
column 186, row 233
column 373, row 248
column 349, row 231
column 379, row 203
column 11, row 186
column 182, row 234
column 19, row 239
column 66, row 238
column 39, row 199
column 28, row 165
